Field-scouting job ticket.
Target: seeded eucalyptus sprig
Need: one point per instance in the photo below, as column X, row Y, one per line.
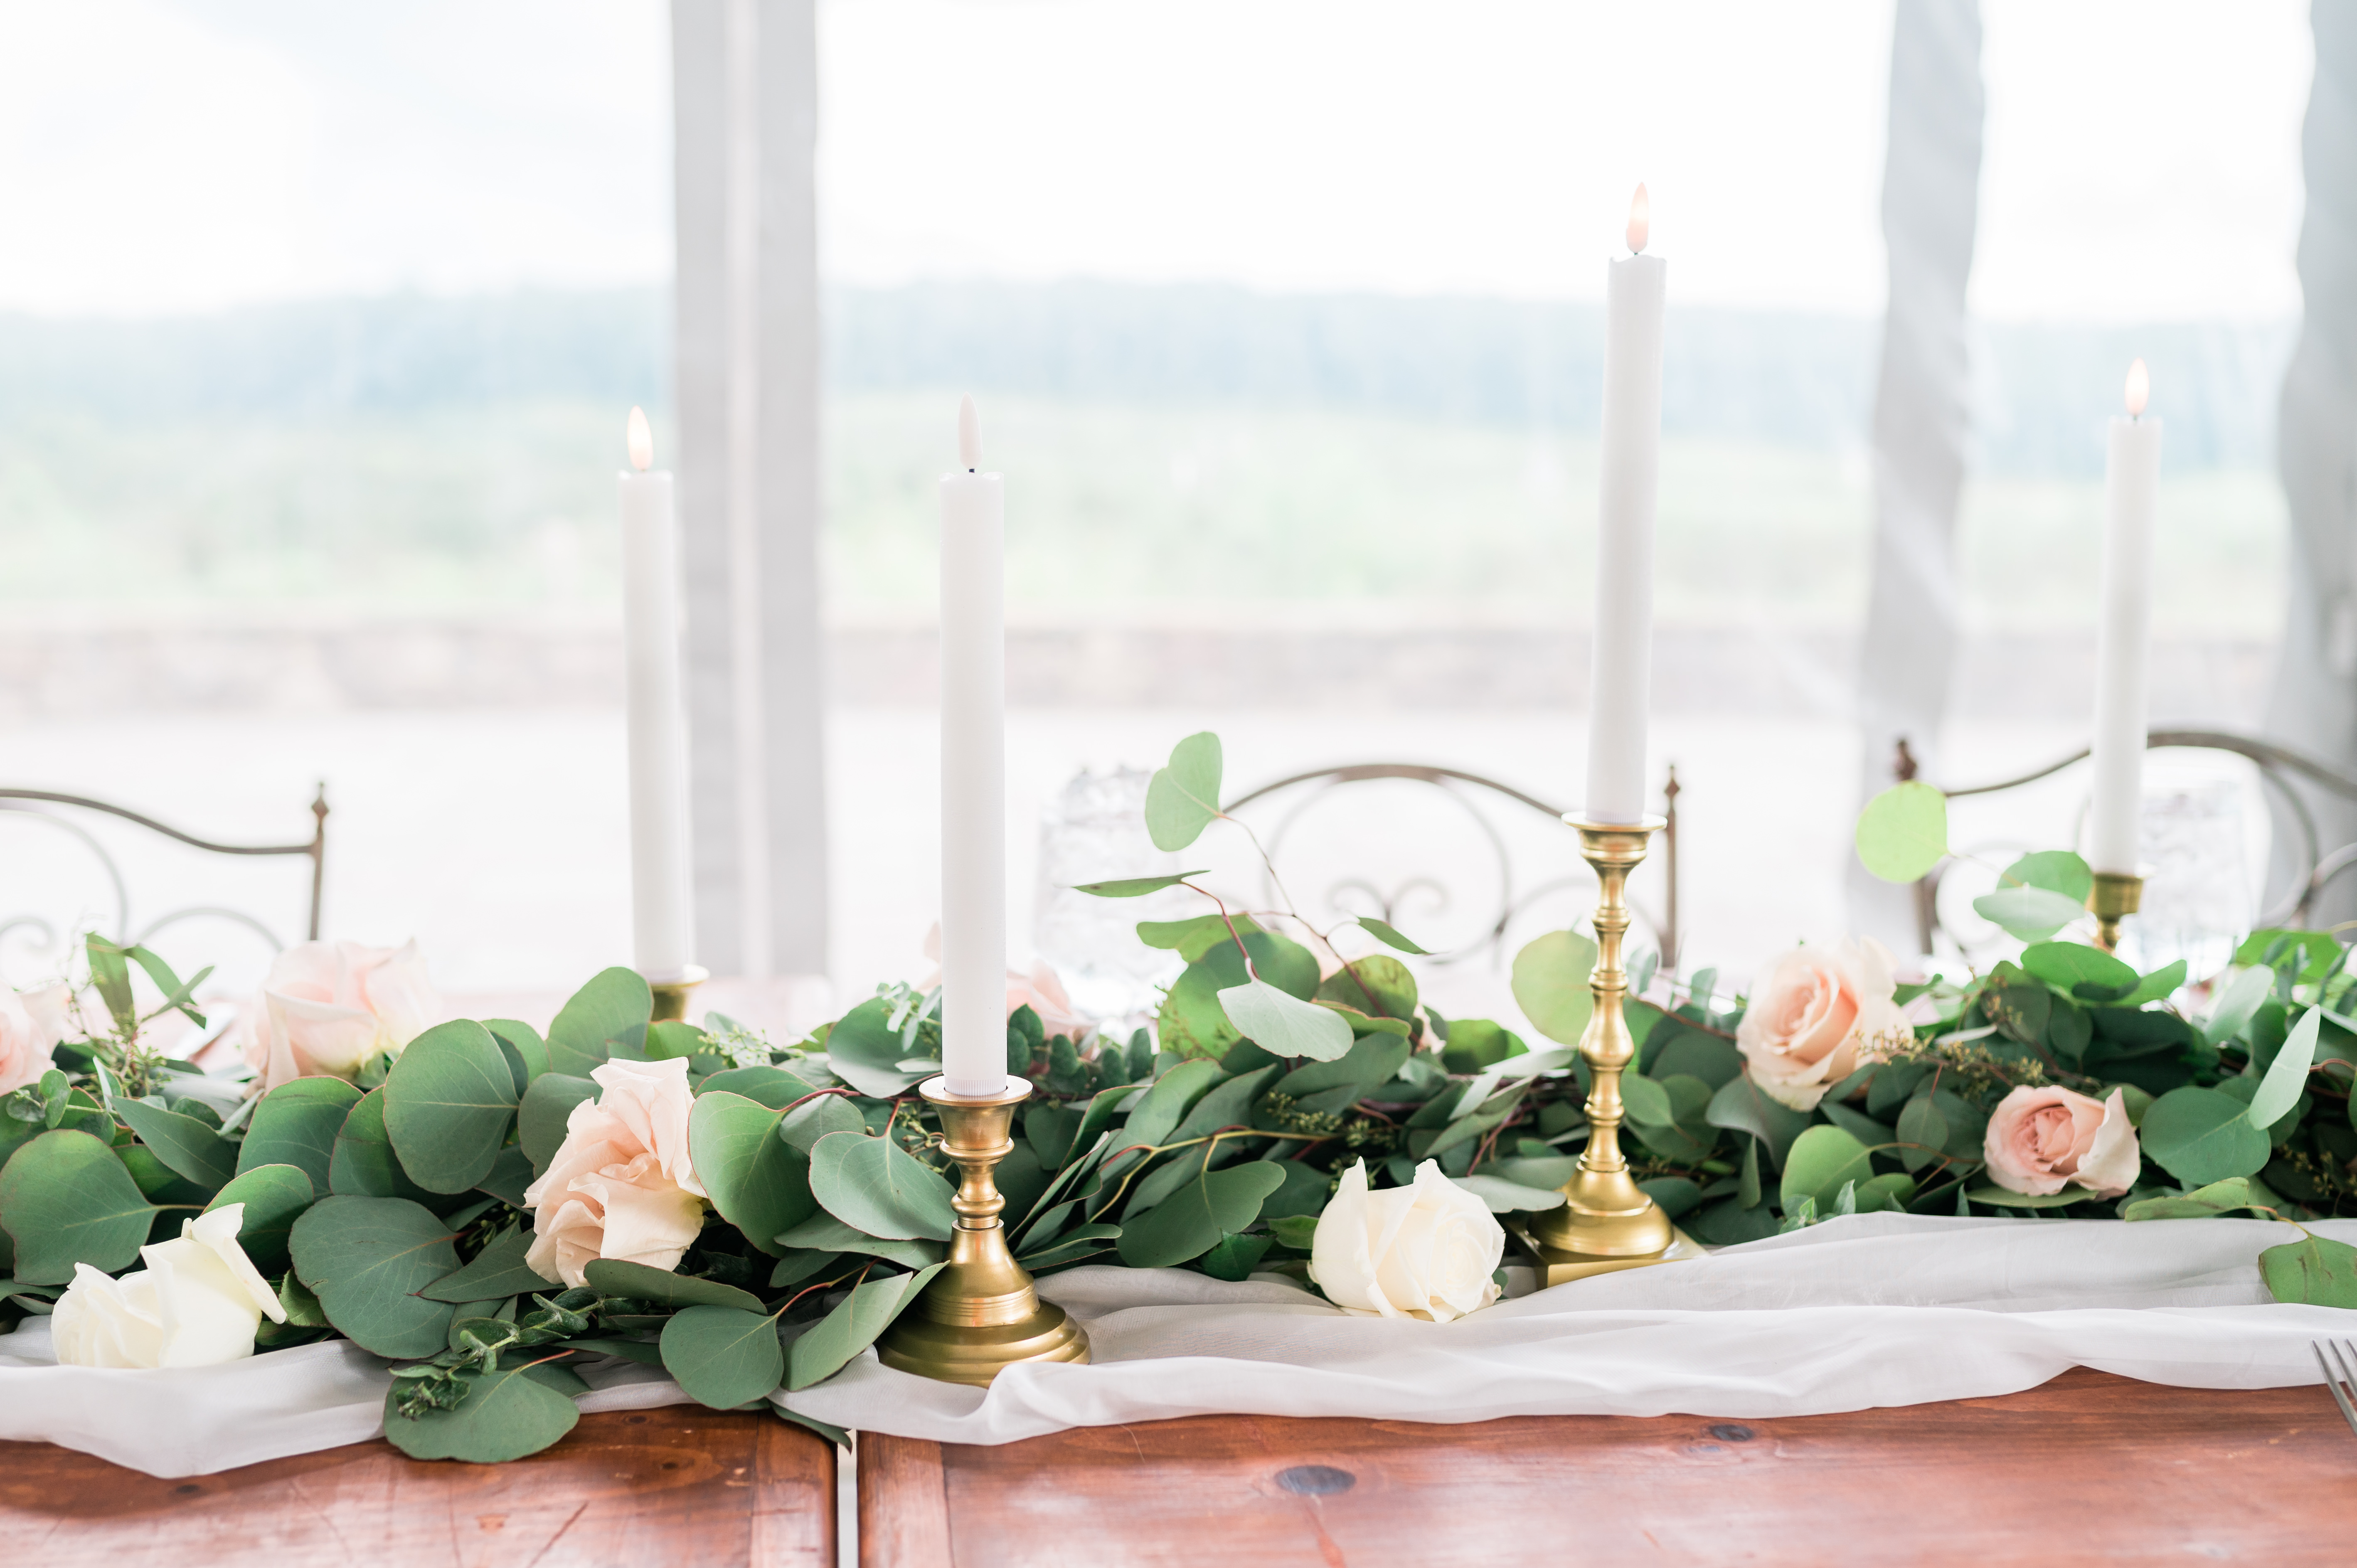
column 442, row 1382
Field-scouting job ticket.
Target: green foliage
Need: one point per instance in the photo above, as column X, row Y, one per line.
column 1550, row 984
column 1182, row 798
column 1823, row 1160
column 1190, row 940
column 295, row 1124
column 853, row 1325
column 499, row 1415
column 2201, row 1136
column 1133, row 886
column 1383, row 932
column 1902, row 833
column 66, row 1198
column 1190, row 1222
column 873, row 1185
column 190, row 1148
column 1283, row 1025
column 370, row 1260
column 274, row 1196
column 449, row 1104
column 723, row 1355
column 498, row 1271
column 543, row 1111
column 2313, row 1269
column 759, row 1181
column 606, row 1018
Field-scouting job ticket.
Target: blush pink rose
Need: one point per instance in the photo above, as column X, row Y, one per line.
column 1816, row 1016
column 31, row 1024
column 325, row 1008
column 620, row 1185
column 2040, row 1139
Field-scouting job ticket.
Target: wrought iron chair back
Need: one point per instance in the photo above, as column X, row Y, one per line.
column 1463, row 789
column 58, row 811
column 2315, row 865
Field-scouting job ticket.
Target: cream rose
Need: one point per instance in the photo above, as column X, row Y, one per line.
column 197, row 1303
column 1816, row 1016
column 325, row 1008
column 620, row 1185
column 1428, row 1250
column 31, row 1025
column 2040, row 1139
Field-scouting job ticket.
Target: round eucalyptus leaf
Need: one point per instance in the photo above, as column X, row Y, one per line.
column 876, row 1186
column 722, row 1356
column 295, row 1124
column 854, row 1325
column 759, row 1182
column 1550, row 984
column 274, row 1196
column 505, row 1415
column 65, row 1198
column 1902, row 833
column 368, row 1259
column 449, row 1103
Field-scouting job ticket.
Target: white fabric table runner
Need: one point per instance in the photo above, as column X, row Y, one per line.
column 1880, row 1309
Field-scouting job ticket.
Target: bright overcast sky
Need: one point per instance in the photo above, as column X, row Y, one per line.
column 176, row 155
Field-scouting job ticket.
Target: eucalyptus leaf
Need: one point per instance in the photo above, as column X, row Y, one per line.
column 2055, row 870
column 369, row 1259
column 2002, row 1197
column 722, row 1356
column 823, row 1232
column 274, row 1196
column 526, row 1052
column 758, row 1182
column 2028, row 914
column 189, row 1148
column 499, row 1270
column 1550, row 984
column 2287, row 1075
column 1822, row 1158
column 2202, row 1203
column 865, row 1051
column 65, row 1198
column 1741, row 1106
column 504, row 1415
column 449, row 1103
column 1133, row 886
column 642, row 1282
column 772, row 1086
column 805, row 1124
column 2201, row 1136
column 606, row 1018
column 876, row 1186
column 2236, row 1003
column 1182, row 798
column 853, row 1325
column 1389, row 935
column 2070, row 965
column 1378, row 986
column 1284, row 1024
column 364, row 1164
column 1191, row 1221
column 1902, row 833
column 2312, row 1269
column 543, row 1112
column 295, row 1124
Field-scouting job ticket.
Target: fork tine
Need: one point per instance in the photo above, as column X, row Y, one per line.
column 2340, row 1395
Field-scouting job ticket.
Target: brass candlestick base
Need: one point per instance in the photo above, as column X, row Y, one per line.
column 1605, row 1216
column 980, row 1313
column 670, row 995
column 2116, row 894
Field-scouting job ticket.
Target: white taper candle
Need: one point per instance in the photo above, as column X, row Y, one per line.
column 2132, row 480
column 658, row 726
column 974, row 770
column 1620, row 667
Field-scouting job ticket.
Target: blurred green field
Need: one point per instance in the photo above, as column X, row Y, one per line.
column 1112, row 508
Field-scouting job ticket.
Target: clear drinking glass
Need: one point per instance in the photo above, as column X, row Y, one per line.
column 2197, row 898
column 1094, row 830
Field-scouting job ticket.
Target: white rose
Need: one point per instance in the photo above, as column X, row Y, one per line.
column 620, row 1185
column 31, row 1024
column 197, row 1303
column 1425, row 1250
column 326, row 1008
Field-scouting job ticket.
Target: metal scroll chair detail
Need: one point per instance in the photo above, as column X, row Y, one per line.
column 43, row 805
column 1463, row 789
column 2276, row 764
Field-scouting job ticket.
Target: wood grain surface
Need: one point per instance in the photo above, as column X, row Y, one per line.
column 676, row 1488
column 2089, row 1468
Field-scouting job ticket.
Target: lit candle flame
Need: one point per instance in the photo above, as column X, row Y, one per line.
column 642, row 440
column 2139, row 388
column 1641, row 222
column 969, row 436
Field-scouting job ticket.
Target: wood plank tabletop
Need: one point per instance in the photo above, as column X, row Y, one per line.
column 681, row 1487
column 2087, row 1468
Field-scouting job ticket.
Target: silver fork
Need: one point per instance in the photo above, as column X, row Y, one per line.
column 2345, row 1383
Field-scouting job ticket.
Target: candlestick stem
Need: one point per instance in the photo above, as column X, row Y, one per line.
column 2116, row 894
column 1604, row 1215
column 981, row 1314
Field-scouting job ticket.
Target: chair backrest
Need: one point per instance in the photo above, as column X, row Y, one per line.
column 2315, row 865
column 69, row 816
column 1303, row 793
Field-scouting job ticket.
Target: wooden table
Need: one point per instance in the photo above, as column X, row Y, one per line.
column 2087, row 1468
column 676, row 1488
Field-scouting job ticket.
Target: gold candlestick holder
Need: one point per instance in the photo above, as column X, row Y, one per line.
column 981, row 1314
column 1606, row 1222
column 670, row 995
column 2116, row 894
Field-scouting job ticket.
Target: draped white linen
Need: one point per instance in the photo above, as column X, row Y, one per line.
column 1880, row 1309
